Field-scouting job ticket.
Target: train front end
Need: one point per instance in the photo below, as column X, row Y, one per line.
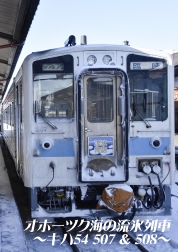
column 101, row 132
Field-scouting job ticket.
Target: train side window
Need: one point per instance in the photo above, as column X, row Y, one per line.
column 8, row 115
column 12, row 116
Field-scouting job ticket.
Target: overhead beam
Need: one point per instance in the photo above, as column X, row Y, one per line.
column 5, row 62
column 10, row 45
column 6, row 36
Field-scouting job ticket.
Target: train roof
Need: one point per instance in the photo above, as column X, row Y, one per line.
column 96, row 47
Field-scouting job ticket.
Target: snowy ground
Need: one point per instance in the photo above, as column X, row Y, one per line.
column 12, row 235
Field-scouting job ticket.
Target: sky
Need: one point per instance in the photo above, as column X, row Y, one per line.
column 149, row 24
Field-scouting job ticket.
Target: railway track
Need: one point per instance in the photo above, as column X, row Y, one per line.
column 76, row 248
column 135, row 242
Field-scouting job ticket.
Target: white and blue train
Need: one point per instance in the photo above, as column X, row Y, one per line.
column 91, row 130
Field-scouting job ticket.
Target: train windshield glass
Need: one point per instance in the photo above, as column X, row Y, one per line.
column 53, row 87
column 148, row 88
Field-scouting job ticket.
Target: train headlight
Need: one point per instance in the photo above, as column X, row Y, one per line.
column 156, row 142
column 141, row 192
column 107, row 59
column 149, row 191
column 91, row 60
column 156, row 169
column 146, row 169
column 46, row 144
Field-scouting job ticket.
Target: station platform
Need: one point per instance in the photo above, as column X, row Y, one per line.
column 12, row 238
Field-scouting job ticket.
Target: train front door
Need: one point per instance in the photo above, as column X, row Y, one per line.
column 101, row 131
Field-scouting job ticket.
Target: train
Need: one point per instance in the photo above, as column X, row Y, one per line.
column 91, row 130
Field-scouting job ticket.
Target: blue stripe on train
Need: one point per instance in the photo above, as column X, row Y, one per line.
column 61, row 148
column 141, row 146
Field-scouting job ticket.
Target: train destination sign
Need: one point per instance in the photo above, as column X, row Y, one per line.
column 53, row 67
column 146, row 65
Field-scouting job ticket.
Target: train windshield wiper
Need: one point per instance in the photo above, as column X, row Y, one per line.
column 144, row 120
column 44, row 119
column 145, row 91
column 47, row 121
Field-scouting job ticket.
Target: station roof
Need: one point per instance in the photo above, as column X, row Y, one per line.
column 16, row 17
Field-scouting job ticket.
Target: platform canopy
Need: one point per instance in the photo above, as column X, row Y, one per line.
column 16, row 17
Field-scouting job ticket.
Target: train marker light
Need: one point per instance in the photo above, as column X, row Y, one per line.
column 107, row 59
column 91, row 60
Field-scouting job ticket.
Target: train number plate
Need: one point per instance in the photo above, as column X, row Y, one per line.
column 101, row 146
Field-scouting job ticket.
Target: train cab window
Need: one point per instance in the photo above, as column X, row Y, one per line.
column 53, row 87
column 148, row 88
column 100, row 100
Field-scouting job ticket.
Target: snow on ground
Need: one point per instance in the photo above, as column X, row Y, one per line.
column 12, row 235
column 173, row 232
